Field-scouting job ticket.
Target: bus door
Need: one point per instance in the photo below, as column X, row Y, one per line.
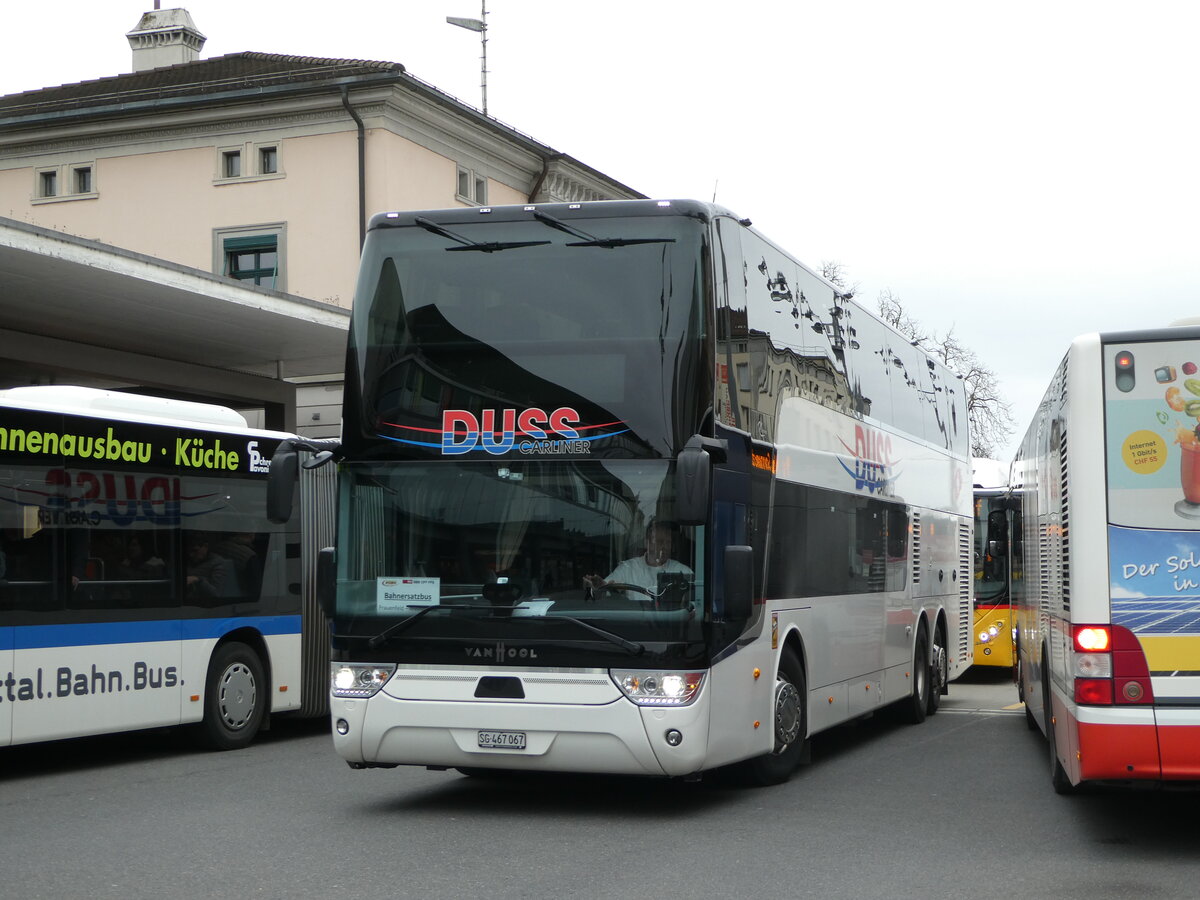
column 734, row 656
column 6, row 668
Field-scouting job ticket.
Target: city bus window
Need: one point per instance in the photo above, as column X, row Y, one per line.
column 26, row 548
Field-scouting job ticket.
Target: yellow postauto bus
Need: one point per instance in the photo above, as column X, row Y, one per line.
column 991, row 603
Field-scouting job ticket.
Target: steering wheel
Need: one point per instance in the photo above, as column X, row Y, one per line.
column 623, row 587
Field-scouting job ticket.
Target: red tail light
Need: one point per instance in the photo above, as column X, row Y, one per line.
column 1110, row 666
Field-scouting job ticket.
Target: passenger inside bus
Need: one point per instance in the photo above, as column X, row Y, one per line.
column 138, row 563
column 208, row 575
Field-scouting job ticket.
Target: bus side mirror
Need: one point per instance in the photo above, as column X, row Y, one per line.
column 693, row 478
column 739, row 581
column 281, row 483
column 327, row 580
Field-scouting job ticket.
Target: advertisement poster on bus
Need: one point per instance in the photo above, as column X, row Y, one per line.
column 1152, row 413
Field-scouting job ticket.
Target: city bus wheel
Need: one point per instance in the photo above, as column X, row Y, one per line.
column 235, row 698
column 790, row 723
column 914, row 709
column 939, row 671
column 1022, row 695
column 1058, row 775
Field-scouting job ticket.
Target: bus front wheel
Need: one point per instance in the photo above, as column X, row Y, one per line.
column 790, row 724
column 234, row 698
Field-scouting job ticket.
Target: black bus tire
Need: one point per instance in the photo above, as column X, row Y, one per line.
column 915, row 707
column 939, row 670
column 235, row 698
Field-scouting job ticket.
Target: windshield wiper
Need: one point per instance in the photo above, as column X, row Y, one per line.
column 619, row 242
column 624, row 643
column 393, row 630
column 590, row 240
column 467, row 244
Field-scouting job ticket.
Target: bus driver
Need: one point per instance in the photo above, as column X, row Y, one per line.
column 643, row 571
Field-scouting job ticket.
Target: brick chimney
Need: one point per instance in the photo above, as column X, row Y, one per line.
column 164, row 37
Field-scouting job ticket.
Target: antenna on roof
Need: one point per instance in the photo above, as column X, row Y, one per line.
column 479, row 25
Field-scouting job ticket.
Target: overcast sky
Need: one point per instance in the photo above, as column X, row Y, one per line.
column 1020, row 172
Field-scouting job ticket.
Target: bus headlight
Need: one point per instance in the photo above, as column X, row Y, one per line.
column 359, row 680
column 657, row 688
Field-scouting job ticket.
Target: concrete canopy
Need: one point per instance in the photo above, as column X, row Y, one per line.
column 77, row 310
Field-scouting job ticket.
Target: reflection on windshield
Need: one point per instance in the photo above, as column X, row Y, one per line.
column 494, row 544
column 611, row 335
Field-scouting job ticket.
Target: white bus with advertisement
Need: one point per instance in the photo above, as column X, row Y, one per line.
column 141, row 584
column 1106, row 560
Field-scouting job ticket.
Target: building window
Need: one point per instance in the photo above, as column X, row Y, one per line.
column 472, row 187
column 254, row 259
column 231, row 164
column 268, row 160
column 83, row 180
column 48, row 183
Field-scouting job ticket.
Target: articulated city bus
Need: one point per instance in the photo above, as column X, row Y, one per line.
column 1106, row 560
column 990, row 594
column 625, row 488
column 141, row 584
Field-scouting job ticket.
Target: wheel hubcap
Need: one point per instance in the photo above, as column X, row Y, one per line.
column 787, row 714
column 237, row 696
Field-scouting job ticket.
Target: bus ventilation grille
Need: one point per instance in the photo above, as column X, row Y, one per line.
column 1065, row 526
column 916, row 548
column 965, row 570
column 1044, row 585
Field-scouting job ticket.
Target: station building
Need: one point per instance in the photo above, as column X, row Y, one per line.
column 192, row 228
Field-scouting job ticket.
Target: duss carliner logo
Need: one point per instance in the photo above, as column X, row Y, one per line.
column 873, row 463
column 531, row 432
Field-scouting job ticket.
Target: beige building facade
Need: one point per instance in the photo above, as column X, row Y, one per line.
column 260, row 168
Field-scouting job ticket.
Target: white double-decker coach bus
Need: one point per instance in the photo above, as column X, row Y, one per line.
column 141, row 583
column 1106, row 560
column 625, row 488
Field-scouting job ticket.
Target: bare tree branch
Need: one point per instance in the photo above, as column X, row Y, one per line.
column 990, row 416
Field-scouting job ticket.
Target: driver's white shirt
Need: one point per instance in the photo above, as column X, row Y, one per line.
column 638, row 571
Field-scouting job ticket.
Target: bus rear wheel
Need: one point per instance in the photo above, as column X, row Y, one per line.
column 915, row 708
column 790, row 724
column 939, row 671
column 1058, row 775
column 234, row 698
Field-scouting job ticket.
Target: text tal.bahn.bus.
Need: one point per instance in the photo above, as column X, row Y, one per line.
column 141, row 583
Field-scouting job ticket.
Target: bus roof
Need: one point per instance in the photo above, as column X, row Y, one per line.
column 95, row 402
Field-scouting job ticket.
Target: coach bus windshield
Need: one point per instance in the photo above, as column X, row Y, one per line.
column 454, row 321
column 561, row 563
